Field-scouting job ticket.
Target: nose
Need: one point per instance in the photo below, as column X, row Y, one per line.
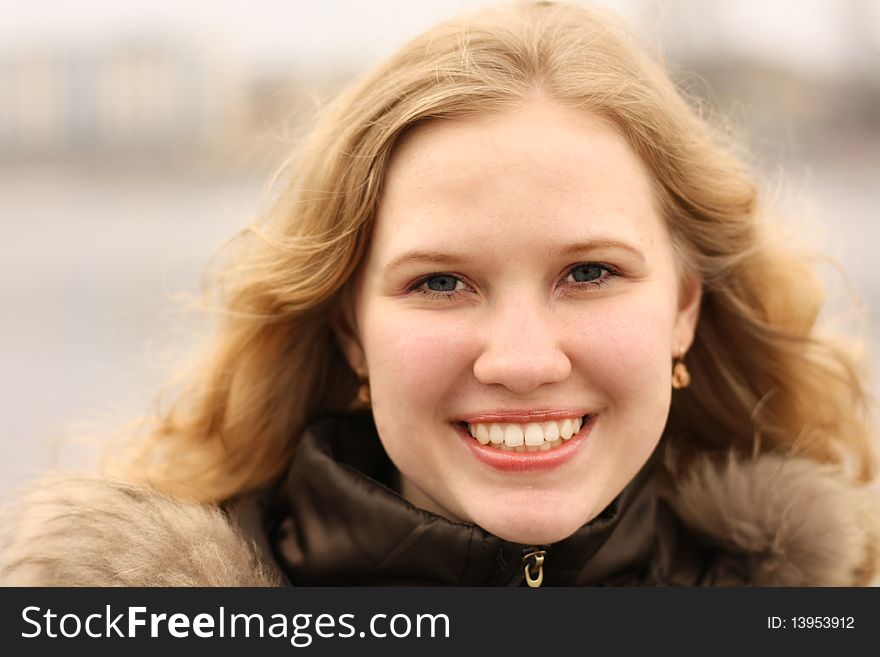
column 521, row 349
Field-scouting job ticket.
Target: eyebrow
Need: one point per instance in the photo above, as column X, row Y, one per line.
column 453, row 259
column 601, row 243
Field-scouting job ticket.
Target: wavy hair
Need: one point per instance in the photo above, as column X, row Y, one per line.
column 763, row 379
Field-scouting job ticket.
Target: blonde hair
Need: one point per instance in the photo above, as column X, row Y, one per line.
column 762, row 379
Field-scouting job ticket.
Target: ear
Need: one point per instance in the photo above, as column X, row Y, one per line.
column 689, row 299
column 350, row 344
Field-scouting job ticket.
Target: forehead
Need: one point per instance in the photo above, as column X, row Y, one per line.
column 542, row 173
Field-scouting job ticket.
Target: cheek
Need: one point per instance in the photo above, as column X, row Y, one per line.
column 626, row 348
column 416, row 357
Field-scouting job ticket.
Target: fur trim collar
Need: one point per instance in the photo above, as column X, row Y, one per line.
column 784, row 521
column 74, row 530
column 792, row 521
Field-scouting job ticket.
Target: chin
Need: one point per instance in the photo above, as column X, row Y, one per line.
column 531, row 530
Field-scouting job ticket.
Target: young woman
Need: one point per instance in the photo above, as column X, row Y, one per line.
column 518, row 318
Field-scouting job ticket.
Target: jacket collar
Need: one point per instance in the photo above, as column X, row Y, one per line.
column 339, row 521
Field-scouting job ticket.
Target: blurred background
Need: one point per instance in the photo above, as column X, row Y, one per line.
column 135, row 137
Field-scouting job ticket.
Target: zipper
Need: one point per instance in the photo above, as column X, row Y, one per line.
column 533, row 565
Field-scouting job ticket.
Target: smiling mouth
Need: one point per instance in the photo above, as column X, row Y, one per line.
column 529, row 437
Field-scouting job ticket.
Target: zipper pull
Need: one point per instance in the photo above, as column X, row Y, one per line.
column 533, row 567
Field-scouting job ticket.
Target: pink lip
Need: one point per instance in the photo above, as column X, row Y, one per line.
column 508, row 461
column 524, row 416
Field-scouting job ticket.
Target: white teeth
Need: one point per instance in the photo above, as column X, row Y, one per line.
column 530, row 437
column 481, row 434
column 496, row 434
column 570, row 428
column 534, row 435
column 513, row 435
column 565, row 429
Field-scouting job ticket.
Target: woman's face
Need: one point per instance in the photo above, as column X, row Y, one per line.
column 520, row 285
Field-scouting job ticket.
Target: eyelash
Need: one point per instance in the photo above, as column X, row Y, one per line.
column 610, row 275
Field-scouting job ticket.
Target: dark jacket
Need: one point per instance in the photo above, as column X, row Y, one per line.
column 335, row 519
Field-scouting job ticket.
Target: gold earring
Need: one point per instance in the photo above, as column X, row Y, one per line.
column 363, row 395
column 681, row 378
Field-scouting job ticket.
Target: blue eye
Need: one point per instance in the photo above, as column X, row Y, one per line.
column 441, row 283
column 587, row 273
column 449, row 286
column 592, row 273
column 440, row 286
